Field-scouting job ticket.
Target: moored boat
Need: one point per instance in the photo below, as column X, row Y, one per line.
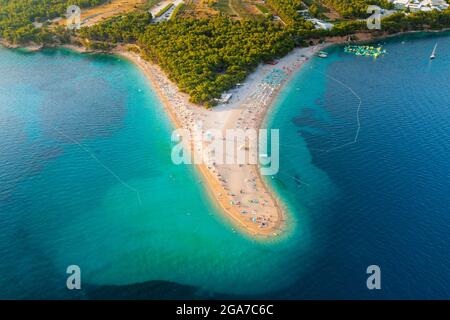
column 322, row 54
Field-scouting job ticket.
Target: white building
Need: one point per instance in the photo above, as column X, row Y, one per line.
column 401, row 4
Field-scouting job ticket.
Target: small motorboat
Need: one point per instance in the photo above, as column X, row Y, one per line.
column 322, row 54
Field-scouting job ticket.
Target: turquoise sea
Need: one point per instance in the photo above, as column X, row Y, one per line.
column 86, row 178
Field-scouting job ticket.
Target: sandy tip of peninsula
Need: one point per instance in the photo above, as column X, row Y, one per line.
column 239, row 190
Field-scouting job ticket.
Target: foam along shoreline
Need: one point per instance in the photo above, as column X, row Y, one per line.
column 239, row 190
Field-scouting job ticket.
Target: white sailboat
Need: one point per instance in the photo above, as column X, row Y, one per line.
column 433, row 54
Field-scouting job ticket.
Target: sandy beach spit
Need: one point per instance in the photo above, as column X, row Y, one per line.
column 239, row 190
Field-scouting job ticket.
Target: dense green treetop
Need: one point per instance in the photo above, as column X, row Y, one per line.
column 119, row 29
column 434, row 20
column 205, row 57
column 208, row 56
column 287, row 10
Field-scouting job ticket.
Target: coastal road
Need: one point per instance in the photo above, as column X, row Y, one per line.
column 166, row 16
